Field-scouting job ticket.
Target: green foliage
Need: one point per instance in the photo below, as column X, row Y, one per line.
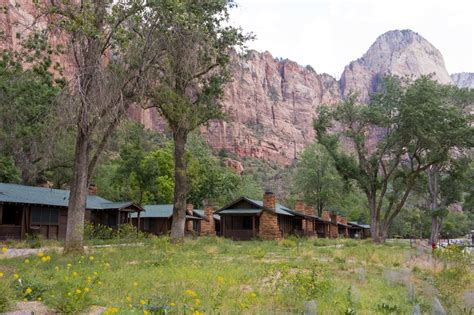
column 27, row 93
column 455, row 277
column 97, row 232
column 6, row 295
column 9, row 173
column 316, row 178
column 456, row 224
column 415, row 124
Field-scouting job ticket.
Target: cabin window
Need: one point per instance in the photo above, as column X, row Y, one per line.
column 44, row 216
column 247, row 223
column 11, row 215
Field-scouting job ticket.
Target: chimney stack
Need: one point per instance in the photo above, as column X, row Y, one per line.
column 208, row 227
column 300, row 206
column 189, row 211
column 269, row 201
column 92, row 190
column 325, row 215
column 309, row 210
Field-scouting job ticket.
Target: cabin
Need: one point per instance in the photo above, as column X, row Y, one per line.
column 357, row 230
column 28, row 210
column 157, row 219
column 246, row 219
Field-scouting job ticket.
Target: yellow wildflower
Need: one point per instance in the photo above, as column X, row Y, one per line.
column 78, row 291
column 40, row 254
column 111, row 310
column 1, row 274
column 253, row 294
column 91, row 258
column 75, row 274
column 197, row 301
column 191, row 293
column 69, row 265
column 99, row 283
column 95, row 273
column 27, row 261
column 39, row 299
column 16, row 276
column 87, row 290
column 4, row 250
column 142, row 302
column 198, row 313
column 69, row 294
column 145, row 312
column 220, row 279
column 129, row 298
column 172, row 304
column 28, row 291
column 45, row 259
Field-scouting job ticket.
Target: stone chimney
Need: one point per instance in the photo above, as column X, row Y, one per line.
column 308, row 224
column 309, row 210
column 92, row 190
column 325, row 215
column 300, row 206
column 269, row 201
column 269, row 228
column 334, row 229
column 208, row 227
column 343, row 220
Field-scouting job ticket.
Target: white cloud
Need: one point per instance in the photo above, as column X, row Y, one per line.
column 328, row 34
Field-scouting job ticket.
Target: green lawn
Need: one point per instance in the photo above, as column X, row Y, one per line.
column 215, row 275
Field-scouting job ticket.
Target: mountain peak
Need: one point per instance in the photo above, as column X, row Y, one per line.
column 397, row 52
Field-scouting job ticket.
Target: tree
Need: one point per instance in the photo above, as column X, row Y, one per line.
column 27, row 94
column 9, row 173
column 405, row 129
column 108, row 59
column 197, row 42
column 316, row 178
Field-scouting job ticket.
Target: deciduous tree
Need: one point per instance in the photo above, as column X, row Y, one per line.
column 404, row 130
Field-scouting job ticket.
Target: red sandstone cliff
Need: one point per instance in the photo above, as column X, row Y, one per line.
column 271, row 102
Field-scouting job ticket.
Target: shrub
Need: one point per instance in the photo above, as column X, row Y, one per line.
column 6, row 296
column 33, row 240
column 128, row 232
column 29, row 289
column 97, row 232
column 286, row 242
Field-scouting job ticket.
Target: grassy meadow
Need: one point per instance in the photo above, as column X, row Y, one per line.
column 219, row 276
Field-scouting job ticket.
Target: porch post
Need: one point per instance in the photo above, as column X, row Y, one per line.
column 253, row 226
column 138, row 221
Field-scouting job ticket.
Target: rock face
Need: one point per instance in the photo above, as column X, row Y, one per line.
column 402, row 53
column 271, row 102
column 463, row 79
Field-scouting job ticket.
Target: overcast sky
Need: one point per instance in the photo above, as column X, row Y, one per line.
column 328, row 34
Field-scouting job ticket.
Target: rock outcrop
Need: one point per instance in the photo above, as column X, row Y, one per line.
column 271, row 102
column 399, row 52
column 463, row 79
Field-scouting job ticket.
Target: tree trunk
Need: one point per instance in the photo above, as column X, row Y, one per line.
column 435, row 226
column 77, row 197
column 433, row 187
column 180, row 188
column 374, row 219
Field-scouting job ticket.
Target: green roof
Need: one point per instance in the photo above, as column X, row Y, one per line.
column 279, row 208
column 164, row 211
column 12, row 193
column 240, row 211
